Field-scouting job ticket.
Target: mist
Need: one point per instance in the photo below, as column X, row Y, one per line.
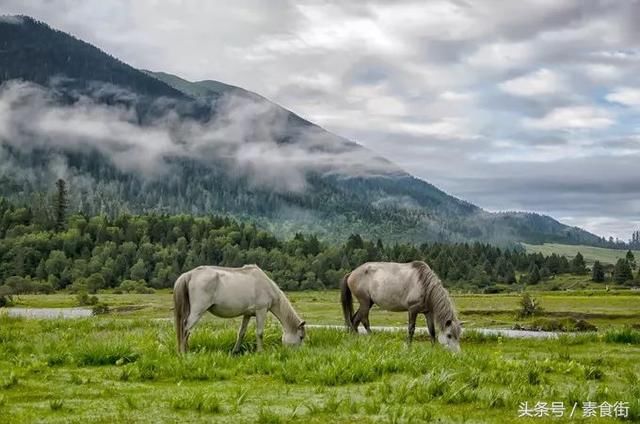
column 246, row 135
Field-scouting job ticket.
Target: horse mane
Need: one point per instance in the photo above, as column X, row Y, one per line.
column 435, row 295
column 284, row 309
column 288, row 315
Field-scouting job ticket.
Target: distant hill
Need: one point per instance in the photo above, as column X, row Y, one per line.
column 141, row 141
column 590, row 253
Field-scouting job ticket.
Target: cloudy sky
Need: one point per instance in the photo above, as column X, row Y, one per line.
column 527, row 105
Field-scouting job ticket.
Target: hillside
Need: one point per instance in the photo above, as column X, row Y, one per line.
column 138, row 141
column 590, row 253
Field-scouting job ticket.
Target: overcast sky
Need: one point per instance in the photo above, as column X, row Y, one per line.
column 512, row 105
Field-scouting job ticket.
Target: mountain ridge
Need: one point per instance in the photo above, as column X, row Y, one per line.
column 315, row 180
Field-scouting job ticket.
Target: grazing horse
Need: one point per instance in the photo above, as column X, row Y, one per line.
column 229, row 293
column 411, row 287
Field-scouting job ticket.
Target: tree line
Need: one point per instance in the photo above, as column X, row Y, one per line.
column 48, row 252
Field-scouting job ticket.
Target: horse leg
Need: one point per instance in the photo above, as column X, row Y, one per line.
column 365, row 317
column 194, row 317
column 356, row 319
column 241, row 332
column 431, row 326
column 261, row 316
column 411, row 328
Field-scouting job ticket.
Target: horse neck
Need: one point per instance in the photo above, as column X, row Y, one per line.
column 285, row 313
column 440, row 304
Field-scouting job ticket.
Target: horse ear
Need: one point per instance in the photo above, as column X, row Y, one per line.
column 302, row 324
column 448, row 323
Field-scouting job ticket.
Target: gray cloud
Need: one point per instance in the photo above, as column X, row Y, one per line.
column 422, row 83
column 244, row 133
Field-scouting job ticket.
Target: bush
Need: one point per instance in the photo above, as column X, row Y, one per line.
column 583, row 325
column 6, row 296
column 566, row 324
column 84, row 299
column 137, row 286
column 78, row 286
column 100, row 309
column 529, row 306
column 494, row 290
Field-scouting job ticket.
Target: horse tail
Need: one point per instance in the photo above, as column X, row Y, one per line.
column 347, row 301
column 182, row 308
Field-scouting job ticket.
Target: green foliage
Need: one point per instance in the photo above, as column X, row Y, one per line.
column 578, row 266
column 529, row 306
column 630, row 257
column 100, row 309
column 130, row 253
column 84, row 299
column 597, row 272
column 624, row 336
column 131, row 286
column 622, row 272
column 534, row 274
column 61, row 204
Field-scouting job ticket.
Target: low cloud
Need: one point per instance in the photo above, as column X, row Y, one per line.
column 246, row 135
column 11, row 19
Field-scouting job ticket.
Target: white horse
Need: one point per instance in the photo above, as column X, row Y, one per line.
column 229, row 293
column 411, row 287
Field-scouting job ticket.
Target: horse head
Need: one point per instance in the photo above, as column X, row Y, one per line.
column 294, row 337
column 451, row 333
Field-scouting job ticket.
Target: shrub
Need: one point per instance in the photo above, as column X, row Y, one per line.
column 6, row 296
column 529, row 306
column 100, row 309
column 84, row 299
column 583, row 325
column 78, row 286
column 494, row 290
column 137, row 286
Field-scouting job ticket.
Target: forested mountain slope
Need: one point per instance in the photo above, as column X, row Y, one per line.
column 127, row 140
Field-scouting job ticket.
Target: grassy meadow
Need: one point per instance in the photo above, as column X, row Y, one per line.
column 605, row 309
column 590, row 253
column 122, row 367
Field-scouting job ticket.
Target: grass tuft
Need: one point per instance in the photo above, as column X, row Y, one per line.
column 104, row 353
column 265, row 416
column 197, row 401
column 56, row 404
column 10, row 382
column 624, row 336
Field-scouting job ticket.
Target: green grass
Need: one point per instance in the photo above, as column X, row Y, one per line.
column 590, row 253
column 610, row 309
column 335, row 377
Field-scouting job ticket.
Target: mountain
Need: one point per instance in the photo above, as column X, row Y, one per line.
column 129, row 140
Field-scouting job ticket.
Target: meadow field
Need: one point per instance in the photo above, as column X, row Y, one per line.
column 590, row 253
column 122, row 366
column 606, row 309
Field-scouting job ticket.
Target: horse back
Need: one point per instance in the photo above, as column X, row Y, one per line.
column 392, row 286
column 231, row 291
